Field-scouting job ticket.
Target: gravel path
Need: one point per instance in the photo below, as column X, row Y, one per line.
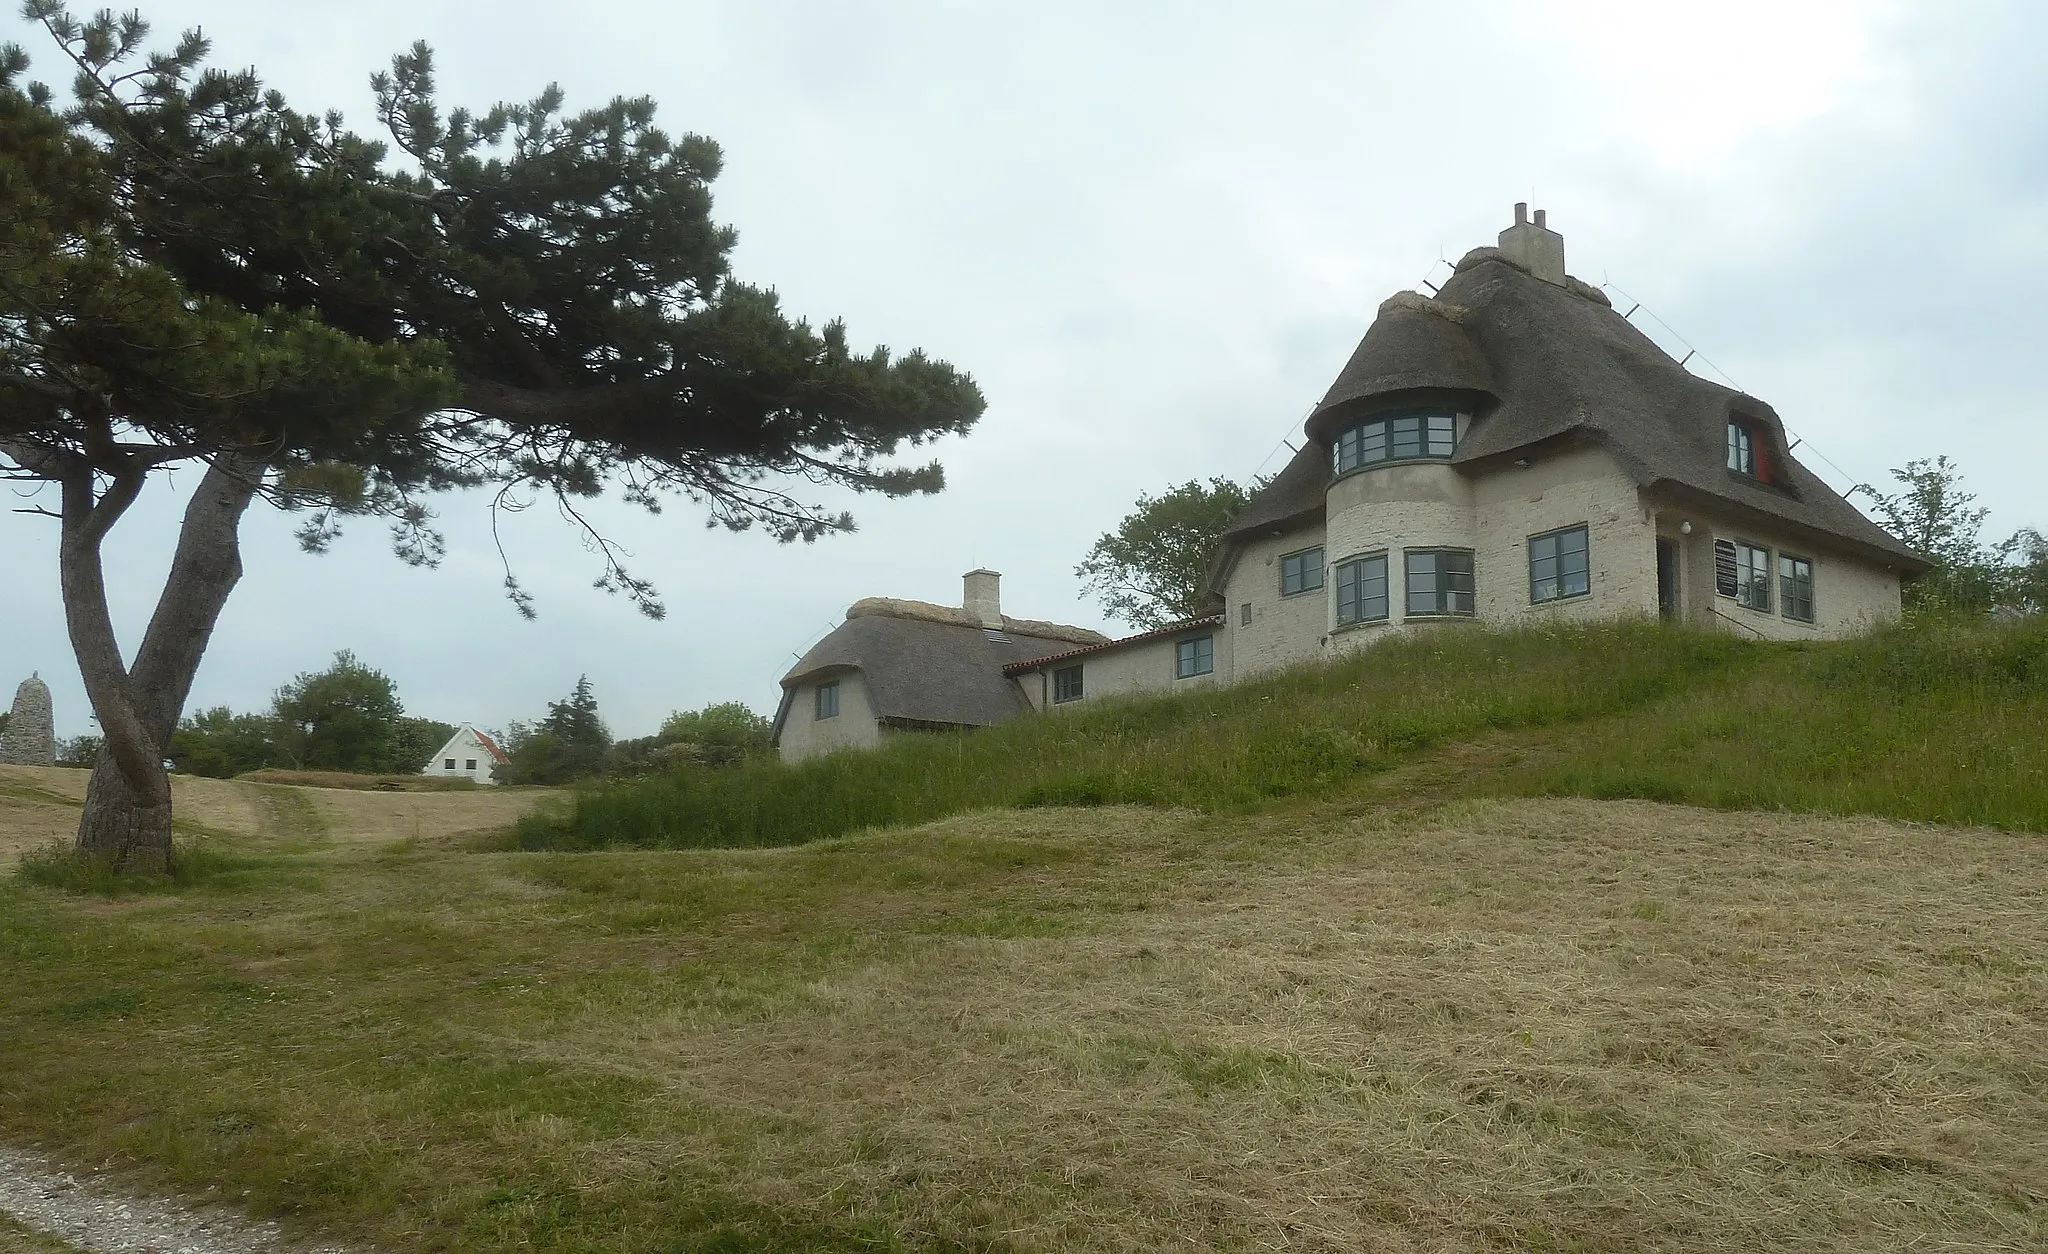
column 100, row 1220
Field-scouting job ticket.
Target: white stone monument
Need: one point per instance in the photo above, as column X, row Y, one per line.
column 31, row 736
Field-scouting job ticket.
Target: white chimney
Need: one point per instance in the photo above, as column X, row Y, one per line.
column 984, row 597
column 1534, row 246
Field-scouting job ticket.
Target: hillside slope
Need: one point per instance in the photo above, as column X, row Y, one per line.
column 1939, row 722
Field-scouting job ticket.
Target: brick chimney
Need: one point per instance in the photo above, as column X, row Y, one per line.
column 1534, row 246
column 984, row 597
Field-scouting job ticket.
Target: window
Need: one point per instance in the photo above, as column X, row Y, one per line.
column 1397, row 438
column 828, row 700
column 1066, row 684
column 1557, row 566
column 1795, row 586
column 1440, row 581
column 1301, row 572
column 469, row 764
column 1194, row 656
column 447, row 764
column 1746, row 451
column 1362, row 590
column 1244, row 614
column 1753, row 577
column 1741, row 448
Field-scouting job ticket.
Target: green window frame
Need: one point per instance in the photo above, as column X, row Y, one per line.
column 1194, row 656
column 1301, row 572
column 1752, row 576
column 827, row 700
column 1795, row 587
column 1418, row 435
column 1066, row 685
column 1558, row 565
column 1362, row 590
column 1440, row 582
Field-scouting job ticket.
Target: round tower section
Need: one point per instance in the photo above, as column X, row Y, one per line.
column 1401, row 522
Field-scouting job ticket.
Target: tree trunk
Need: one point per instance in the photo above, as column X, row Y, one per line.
column 128, row 819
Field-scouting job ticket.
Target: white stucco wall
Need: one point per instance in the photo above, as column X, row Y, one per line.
column 1851, row 593
column 806, row 735
column 1142, row 668
column 1283, row 629
column 453, row 761
column 1581, row 487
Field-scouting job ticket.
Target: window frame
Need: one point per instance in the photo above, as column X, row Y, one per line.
column 1557, row 556
column 1442, row 594
column 1060, row 696
column 1347, row 451
column 1357, row 598
column 1303, row 571
column 820, row 699
column 1746, row 581
column 1787, row 582
column 1742, row 459
column 469, row 764
column 447, row 764
column 1244, row 614
column 1182, row 658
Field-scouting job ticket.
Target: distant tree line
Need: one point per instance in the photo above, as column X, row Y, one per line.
column 347, row 717
column 572, row 742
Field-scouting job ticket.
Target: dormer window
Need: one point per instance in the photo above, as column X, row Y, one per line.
column 1745, row 451
column 1406, row 437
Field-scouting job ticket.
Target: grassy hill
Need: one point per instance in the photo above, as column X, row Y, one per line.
column 1945, row 723
column 1401, row 997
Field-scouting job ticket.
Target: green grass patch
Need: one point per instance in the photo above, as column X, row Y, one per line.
column 1304, row 732
column 60, row 865
column 1940, row 724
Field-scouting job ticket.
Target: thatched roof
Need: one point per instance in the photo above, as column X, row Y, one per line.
column 1564, row 368
column 1416, row 344
column 959, row 616
column 929, row 669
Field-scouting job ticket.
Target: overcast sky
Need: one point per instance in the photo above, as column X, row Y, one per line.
column 1153, row 233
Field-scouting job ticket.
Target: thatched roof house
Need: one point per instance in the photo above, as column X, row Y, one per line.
column 912, row 666
column 1509, row 450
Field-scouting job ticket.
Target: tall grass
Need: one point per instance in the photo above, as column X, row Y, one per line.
column 1942, row 722
column 1304, row 731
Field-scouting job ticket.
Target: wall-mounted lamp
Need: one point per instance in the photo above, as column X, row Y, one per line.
column 1521, row 463
column 1685, row 529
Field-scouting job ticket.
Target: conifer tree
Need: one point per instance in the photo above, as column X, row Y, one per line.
column 524, row 299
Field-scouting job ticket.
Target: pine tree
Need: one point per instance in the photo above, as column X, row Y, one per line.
column 520, row 298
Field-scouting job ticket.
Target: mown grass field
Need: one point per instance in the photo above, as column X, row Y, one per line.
column 1423, row 1003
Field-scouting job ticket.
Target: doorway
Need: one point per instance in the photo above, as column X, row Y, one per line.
column 1667, row 579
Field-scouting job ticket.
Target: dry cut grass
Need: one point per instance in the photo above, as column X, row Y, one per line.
column 39, row 806
column 350, row 779
column 1531, row 1025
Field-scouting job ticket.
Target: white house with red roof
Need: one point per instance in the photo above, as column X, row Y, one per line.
column 469, row 754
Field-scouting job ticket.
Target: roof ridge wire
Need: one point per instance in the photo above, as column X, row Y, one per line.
column 1695, row 352
column 1441, row 260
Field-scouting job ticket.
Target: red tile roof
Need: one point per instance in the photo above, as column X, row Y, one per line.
column 491, row 746
column 1171, row 629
